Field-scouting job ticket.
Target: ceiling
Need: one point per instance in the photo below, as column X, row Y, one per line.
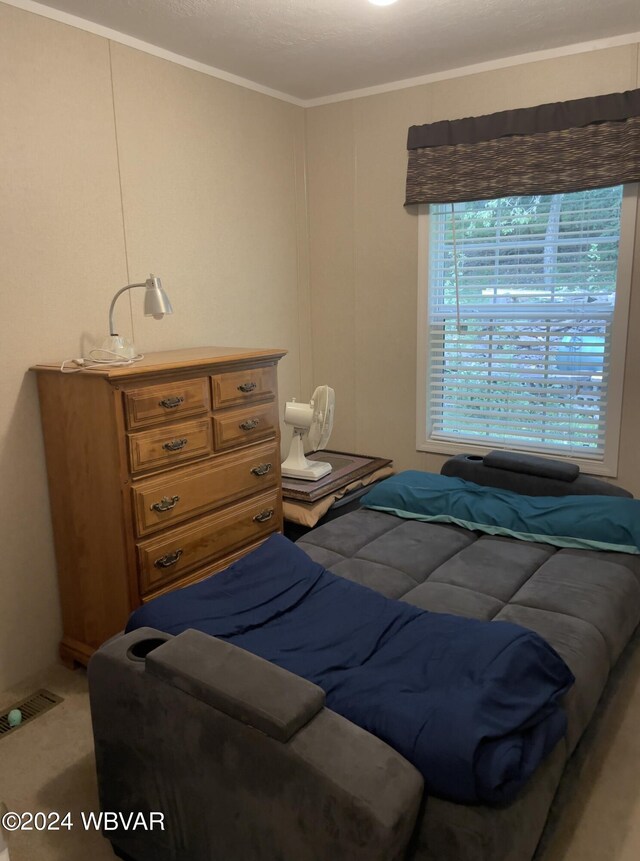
column 309, row 49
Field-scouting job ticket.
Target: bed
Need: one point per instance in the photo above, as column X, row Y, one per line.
column 584, row 603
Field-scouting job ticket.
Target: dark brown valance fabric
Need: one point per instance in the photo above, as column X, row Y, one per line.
column 548, row 149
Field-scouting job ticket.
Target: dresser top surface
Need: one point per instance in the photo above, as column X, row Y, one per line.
column 154, row 363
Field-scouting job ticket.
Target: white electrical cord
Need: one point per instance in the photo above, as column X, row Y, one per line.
column 116, row 361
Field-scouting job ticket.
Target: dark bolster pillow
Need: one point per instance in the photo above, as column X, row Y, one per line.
column 521, row 473
column 531, row 465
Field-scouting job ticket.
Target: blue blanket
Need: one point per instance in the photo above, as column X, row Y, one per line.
column 473, row 705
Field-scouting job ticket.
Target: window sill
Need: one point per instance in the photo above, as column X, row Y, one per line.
column 589, row 467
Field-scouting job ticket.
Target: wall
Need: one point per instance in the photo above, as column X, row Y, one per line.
column 364, row 245
column 116, row 164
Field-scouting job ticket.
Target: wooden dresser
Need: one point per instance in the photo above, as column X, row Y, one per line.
column 160, row 473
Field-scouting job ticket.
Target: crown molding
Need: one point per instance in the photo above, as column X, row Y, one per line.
column 148, row 48
column 212, row 71
column 488, row 66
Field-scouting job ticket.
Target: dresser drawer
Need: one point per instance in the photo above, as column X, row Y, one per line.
column 187, row 548
column 214, row 568
column 166, row 402
column 240, row 427
column 169, row 445
column 238, row 387
column 177, row 496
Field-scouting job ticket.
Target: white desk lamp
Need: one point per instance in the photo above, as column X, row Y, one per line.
column 156, row 305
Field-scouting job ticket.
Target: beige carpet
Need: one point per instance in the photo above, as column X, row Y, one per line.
column 48, row 765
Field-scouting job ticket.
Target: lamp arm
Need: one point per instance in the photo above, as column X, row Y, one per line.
column 113, row 303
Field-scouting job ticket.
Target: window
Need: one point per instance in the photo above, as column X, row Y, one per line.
column 522, row 324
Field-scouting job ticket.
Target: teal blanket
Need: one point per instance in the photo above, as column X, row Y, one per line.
column 592, row 522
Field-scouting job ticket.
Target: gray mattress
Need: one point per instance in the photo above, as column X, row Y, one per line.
column 585, row 603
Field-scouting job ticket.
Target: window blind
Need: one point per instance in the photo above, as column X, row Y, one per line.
column 522, row 294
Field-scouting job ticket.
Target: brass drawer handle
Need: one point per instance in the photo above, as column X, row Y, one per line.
column 246, row 387
column 250, row 425
column 265, row 515
column 175, row 444
column 262, row 469
column 168, row 560
column 171, row 403
column 166, row 503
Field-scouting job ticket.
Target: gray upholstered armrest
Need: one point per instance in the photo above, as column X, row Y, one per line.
column 235, row 682
column 172, row 734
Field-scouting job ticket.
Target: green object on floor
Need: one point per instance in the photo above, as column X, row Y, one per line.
column 14, row 717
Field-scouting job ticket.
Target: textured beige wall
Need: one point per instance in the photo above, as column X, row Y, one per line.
column 213, row 201
column 364, row 245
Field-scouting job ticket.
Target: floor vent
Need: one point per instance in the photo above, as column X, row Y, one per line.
column 35, row 705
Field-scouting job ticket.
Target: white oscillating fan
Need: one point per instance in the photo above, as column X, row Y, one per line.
column 314, row 419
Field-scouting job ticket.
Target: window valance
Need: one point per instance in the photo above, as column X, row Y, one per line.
column 547, row 149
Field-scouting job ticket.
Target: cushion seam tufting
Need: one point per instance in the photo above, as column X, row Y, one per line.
column 364, row 544
column 487, row 594
column 301, row 544
column 466, row 589
column 452, row 586
column 389, row 568
column 357, row 555
column 394, row 568
column 610, row 659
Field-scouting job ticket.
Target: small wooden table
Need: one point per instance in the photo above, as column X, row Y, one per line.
column 307, row 503
column 347, row 468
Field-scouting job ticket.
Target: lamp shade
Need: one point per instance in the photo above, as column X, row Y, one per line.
column 156, row 301
column 156, row 305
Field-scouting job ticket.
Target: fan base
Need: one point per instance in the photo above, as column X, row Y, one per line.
column 316, row 469
column 298, row 466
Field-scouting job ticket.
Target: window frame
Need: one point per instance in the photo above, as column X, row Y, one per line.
column 608, row 466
